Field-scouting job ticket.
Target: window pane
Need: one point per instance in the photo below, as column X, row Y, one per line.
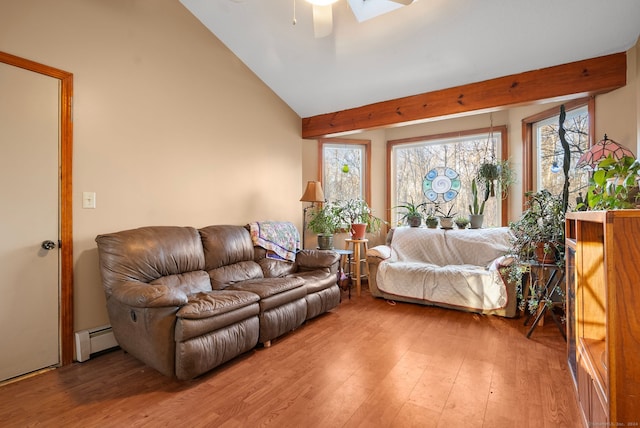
column 550, row 154
column 411, row 162
column 343, row 171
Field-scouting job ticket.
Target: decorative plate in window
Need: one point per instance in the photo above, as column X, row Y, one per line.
column 441, row 184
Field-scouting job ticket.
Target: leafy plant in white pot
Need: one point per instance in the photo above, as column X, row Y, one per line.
column 325, row 222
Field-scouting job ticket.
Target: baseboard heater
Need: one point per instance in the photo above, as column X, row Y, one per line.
column 94, row 340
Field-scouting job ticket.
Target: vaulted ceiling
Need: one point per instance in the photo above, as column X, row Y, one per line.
column 423, row 47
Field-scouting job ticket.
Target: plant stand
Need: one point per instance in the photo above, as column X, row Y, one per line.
column 546, row 296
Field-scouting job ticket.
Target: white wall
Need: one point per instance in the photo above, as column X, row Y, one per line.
column 170, row 128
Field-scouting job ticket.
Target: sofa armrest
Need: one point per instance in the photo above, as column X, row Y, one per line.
column 380, row 253
column 141, row 295
column 314, row 259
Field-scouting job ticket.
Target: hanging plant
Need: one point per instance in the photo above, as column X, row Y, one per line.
column 488, row 173
column 496, row 174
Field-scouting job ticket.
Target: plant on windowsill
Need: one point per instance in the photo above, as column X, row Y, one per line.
column 461, row 222
column 430, row 218
column 446, row 219
column 411, row 213
column 325, row 222
column 476, row 208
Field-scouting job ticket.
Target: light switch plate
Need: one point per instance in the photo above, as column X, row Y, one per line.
column 88, row 199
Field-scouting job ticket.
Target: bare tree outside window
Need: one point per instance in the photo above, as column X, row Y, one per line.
column 412, row 161
column 344, row 166
column 550, row 155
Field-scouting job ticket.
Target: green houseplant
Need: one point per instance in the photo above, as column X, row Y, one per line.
column 614, row 184
column 538, row 237
column 446, row 218
column 430, row 218
column 357, row 212
column 495, row 174
column 476, row 208
column 540, row 228
column 325, row 222
column 461, row 222
column 411, row 213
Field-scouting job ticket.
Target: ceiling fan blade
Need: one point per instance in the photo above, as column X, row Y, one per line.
column 404, row 2
column 322, row 20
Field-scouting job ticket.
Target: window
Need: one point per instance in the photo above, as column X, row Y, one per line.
column 415, row 163
column 543, row 150
column 344, row 169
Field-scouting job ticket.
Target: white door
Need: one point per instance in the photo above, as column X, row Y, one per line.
column 29, row 183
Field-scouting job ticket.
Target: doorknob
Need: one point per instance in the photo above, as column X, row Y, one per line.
column 48, row 245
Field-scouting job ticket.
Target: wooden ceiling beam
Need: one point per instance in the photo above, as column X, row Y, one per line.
column 576, row 79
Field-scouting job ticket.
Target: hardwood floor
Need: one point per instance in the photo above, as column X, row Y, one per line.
column 367, row 363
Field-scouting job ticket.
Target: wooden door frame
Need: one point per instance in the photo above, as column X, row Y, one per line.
column 66, row 199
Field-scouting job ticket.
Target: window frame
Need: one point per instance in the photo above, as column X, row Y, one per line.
column 366, row 144
column 503, row 154
column 529, row 149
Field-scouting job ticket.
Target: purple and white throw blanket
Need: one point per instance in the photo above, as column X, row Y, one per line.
column 280, row 238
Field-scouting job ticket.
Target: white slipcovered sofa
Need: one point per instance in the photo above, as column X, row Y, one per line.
column 456, row 269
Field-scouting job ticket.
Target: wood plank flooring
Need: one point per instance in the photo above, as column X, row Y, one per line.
column 367, row 363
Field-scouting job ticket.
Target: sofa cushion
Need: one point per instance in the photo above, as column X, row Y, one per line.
column 225, row 245
column 317, row 280
column 225, row 276
column 148, row 253
column 267, row 287
column 273, row 268
column 477, row 247
column 274, row 292
column 203, row 305
column 188, row 282
column 317, row 259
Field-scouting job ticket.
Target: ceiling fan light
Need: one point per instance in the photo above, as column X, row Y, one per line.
column 321, row 2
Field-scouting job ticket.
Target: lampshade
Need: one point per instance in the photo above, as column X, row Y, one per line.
column 601, row 150
column 313, row 192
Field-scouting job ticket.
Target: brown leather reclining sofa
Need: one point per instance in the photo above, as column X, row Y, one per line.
column 184, row 301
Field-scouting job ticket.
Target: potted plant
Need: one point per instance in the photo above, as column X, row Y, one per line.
column 430, row 218
column 412, row 213
column 495, row 174
column 539, row 233
column 356, row 213
column 538, row 238
column 461, row 222
column 446, row 219
column 325, row 222
column 476, row 208
column 614, row 184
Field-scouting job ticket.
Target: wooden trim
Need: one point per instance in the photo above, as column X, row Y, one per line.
column 504, row 149
column 66, row 196
column 367, row 161
column 504, row 154
column 528, row 149
column 576, row 79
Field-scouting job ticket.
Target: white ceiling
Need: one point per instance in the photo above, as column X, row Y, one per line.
column 426, row 46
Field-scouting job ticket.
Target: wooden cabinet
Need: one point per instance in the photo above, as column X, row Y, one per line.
column 603, row 309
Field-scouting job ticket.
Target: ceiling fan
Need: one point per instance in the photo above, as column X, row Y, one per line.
column 362, row 9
